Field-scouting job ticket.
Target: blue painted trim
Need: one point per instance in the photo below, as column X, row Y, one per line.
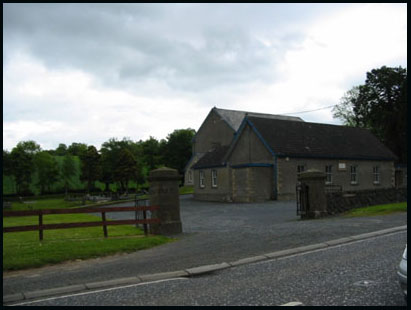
column 240, row 129
column 258, row 134
column 252, row 165
column 275, row 166
column 275, row 171
column 260, row 137
column 237, row 135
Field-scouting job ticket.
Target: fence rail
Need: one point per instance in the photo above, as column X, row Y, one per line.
column 40, row 227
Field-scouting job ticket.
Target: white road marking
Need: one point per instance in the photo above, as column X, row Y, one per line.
column 96, row 291
column 293, row 303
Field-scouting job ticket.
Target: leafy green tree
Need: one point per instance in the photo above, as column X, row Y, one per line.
column 90, row 167
column 47, row 170
column 7, row 163
column 29, row 146
column 344, row 110
column 107, row 166
column 381, row 106
column 126, row 169
column 68, row 171
column 178, row 148
column 22, row 156
column 77, row 149
column 152, row 157
column 137, row 151
column 61, row 150
column 110, row 153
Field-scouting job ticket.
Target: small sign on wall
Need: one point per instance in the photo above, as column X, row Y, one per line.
column 342, row 166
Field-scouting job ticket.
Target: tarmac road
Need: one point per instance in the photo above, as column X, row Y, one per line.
column 213, row 233
column 361, row 273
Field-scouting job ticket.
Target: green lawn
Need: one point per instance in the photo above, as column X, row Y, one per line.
column 378, row 210
column 23, row 250
column 54, row 203
column 188, row 189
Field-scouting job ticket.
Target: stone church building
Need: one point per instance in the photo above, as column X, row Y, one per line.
column 244, row 157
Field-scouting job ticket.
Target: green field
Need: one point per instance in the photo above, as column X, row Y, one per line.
column 23, row 250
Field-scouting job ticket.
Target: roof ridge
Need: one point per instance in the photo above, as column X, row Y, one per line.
column 259, row 113
column 314, row 123
column 234, row 117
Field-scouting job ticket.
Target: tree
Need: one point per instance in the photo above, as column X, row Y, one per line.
column 137, row 151
column 61, row 150
column 7, row 163
column 381, row 106
column 107, row 166
column 77, row 149
column 178, row 148
column 22, row 164
column 110, row 154
column 344, row 110
column 151, row 153
column 126, row 169
column 68, row 170
column 47, row 170
column 90, row 167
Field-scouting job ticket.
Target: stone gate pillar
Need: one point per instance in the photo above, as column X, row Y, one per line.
column 164, row 193
column 317, row 203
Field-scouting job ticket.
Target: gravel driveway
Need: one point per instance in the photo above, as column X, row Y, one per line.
column 212, row 233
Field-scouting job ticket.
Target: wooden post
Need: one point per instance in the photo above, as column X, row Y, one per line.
column 40, row 224
column 145, row 224
column 103, row 215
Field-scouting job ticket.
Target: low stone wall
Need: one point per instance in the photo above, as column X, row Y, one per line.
column 344, row 201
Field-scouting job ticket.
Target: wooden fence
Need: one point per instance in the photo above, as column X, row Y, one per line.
column 40, row 227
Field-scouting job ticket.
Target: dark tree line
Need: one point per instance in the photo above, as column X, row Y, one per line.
column 380, row 105
column 117, row 161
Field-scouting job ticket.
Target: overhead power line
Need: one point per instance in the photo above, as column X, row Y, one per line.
column 330, row 106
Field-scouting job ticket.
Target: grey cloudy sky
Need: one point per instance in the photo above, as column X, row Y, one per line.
column 89, row 72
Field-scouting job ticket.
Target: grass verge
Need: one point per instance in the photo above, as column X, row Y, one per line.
column 22, row 250
column 378, row 210
column 187, row 189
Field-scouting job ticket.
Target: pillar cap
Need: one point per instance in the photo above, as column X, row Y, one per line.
column 164, row 173
column 312, row 174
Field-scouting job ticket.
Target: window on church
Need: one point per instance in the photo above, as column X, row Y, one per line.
column 214, row 178
column 202, row 183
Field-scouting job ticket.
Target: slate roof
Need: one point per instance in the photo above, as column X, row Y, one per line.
column 213, row 158
column 234, row 117
column 313, row 140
